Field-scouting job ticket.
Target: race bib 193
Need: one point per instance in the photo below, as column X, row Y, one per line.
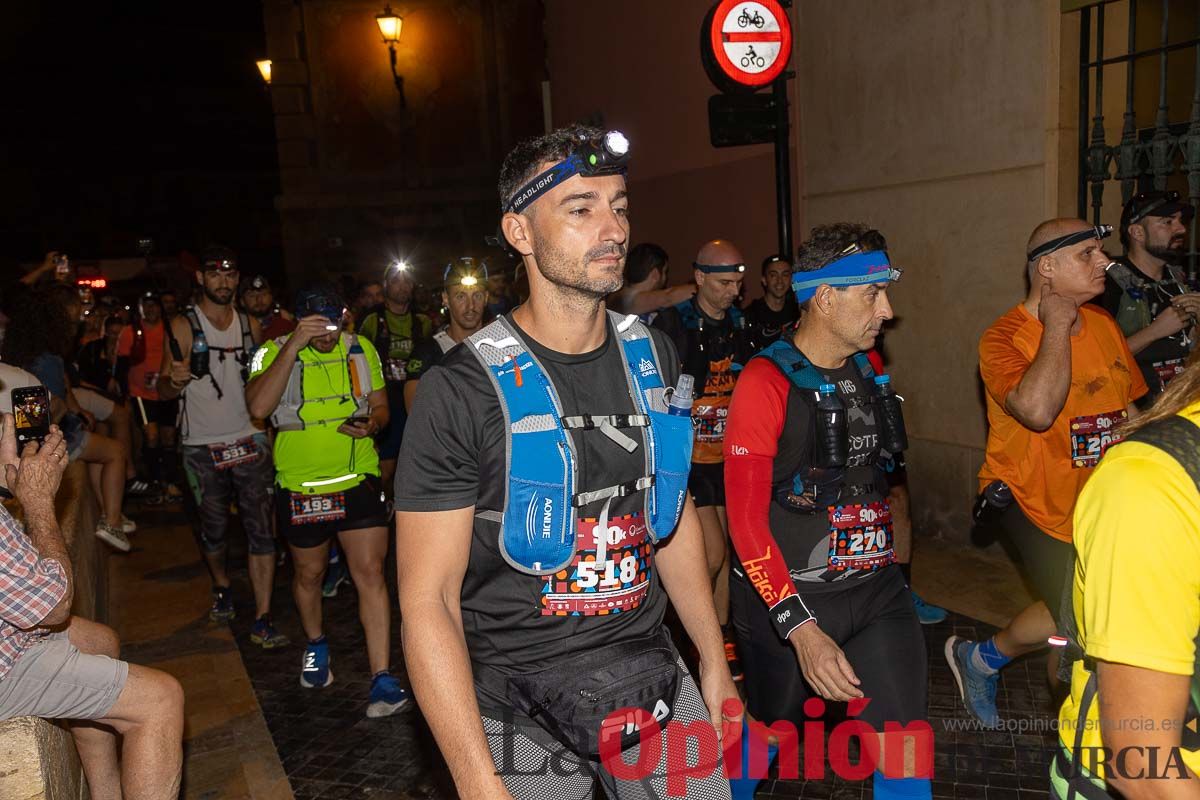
column 308, row 509
column 1092, row 436
column 860, row 536
column 590, row 586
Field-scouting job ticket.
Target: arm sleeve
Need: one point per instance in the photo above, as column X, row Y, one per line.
column 30, row 586
column 1001, row 364
column 1140, row 591
column 756, row 418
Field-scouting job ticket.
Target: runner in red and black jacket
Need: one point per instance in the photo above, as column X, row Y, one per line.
column 819, row 605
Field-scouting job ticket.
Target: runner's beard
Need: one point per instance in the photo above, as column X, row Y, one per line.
column 1169, row 253
column 557, row 267
column 217, row 298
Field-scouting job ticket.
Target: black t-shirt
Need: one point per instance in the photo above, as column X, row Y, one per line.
column 765, row 323
column 1158, row 357
column 712, row 341
column 804, row 539
column 453, row 457
column 427, row 353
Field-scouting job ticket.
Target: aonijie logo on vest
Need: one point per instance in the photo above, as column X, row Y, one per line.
column 646, row 367
column 546, row 506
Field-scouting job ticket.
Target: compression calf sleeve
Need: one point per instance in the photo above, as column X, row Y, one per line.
column 902, row 788
column 743, row 788
column 987, row 658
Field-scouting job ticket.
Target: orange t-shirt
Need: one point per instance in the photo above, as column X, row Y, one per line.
column 143, row 376
column 1047, row 470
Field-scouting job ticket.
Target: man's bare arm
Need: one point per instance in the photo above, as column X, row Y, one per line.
column 1040, row 396
column 432, row 551
column 1127, row 696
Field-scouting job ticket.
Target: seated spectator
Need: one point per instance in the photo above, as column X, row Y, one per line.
column 97, row 391
column 58, row 666
column 38, row 339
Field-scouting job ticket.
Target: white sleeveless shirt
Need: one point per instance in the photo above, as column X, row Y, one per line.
column 207, row 419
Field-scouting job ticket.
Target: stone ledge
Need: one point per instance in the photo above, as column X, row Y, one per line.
column 37, row 758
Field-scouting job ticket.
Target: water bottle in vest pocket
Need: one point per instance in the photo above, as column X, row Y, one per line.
column 673, row 461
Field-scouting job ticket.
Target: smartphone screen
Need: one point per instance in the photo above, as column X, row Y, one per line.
column 31, row 410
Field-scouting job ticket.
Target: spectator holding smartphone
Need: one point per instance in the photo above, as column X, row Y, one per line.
column 39, row 338
column 59, row 666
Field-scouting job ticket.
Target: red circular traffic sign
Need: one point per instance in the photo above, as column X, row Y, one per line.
column 751, row 40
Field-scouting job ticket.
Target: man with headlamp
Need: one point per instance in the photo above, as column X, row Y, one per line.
column 820, row 606
column 1146, row 290
column 542, row 477
column 710, row 335
column 465, row 297
column 394, row 328
column 324, row 392
column 1059, row 379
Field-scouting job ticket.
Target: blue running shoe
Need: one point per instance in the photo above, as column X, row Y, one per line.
column 314, row 669
column 335, row 576
column 387, row 696
column 928, row 613
column 978, row 690
column 264, row 634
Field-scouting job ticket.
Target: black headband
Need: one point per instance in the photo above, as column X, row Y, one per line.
column 1098, row 232
column 710, row 268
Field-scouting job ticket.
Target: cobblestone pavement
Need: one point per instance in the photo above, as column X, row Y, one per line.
column 329, row 749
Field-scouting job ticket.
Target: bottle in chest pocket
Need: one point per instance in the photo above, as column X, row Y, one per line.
column 199, row 362
column 892, row 434
column 832, row 445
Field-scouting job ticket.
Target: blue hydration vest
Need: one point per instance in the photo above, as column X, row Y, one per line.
column 542, row 501
column 809, row 488
column 692, row 320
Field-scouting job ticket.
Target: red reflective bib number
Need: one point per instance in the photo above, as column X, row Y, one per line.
column 308, row 509
column 1167, row 370
column 1092, row 436
column 589, row 586
column 860, row 536
column 227, row 456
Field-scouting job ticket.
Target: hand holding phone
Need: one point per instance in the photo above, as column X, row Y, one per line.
column 31, row 412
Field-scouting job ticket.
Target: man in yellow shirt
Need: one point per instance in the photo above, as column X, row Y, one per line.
column 1131, row 718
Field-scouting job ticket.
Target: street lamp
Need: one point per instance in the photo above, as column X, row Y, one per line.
column 264, row 68
column 389, row 28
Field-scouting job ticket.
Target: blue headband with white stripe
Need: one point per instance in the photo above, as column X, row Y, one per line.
column 853, row 270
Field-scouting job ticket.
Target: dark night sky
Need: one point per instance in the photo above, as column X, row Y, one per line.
column 135, row 118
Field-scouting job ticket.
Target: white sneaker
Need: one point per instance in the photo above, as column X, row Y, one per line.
column 113, row 537
column 127, row 525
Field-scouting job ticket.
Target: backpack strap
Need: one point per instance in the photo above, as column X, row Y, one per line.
column 688, row 315
column 1179, row 438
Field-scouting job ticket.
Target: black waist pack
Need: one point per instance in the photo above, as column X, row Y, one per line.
column 572, row 699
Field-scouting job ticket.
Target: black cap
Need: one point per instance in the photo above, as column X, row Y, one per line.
column 1154, row 204
column 254, row 282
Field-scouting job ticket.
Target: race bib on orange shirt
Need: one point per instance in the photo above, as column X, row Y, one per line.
column 1091, row 437
column 710, row 412
column 595, row 584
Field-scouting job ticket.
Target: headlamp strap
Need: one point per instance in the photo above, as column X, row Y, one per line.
column 852, row 270
column 544, row 182
column 1098, row 232
column 709, row 268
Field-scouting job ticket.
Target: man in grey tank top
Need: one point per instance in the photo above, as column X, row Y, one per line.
column 225, row 454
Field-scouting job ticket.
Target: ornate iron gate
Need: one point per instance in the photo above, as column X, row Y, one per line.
column 1149, row 157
